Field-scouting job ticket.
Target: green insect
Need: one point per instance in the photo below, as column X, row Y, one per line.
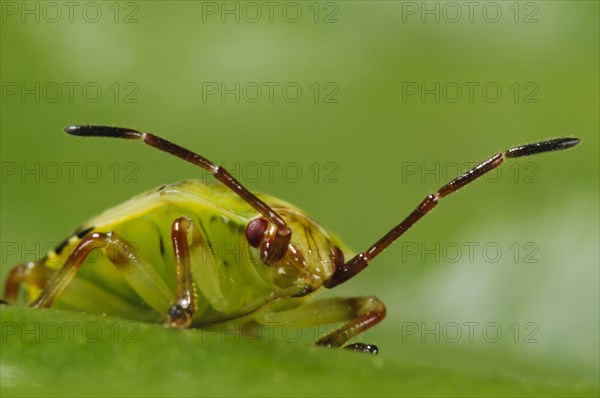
column 165, row 256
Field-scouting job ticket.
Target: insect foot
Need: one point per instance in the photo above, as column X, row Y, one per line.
column 360, row 347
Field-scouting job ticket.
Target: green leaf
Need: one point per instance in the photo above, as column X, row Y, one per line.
column 60, row 353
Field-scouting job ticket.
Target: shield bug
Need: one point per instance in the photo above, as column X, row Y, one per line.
column 155, row 258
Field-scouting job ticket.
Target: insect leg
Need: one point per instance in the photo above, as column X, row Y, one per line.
column 359, row 314
column 215, row 281
column 142, row 277
column 33, row 273
column 196, row 269
column 274, row 251
column 182, row 312
column 361, row 260
column 15, row 279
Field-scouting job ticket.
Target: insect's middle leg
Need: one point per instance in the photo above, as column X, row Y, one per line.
column 359, row 314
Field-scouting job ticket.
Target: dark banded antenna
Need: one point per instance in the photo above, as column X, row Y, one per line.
column 359, row 262
column 273, row 250
column 104, row 131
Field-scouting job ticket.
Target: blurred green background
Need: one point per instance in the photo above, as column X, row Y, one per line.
column 368, row 150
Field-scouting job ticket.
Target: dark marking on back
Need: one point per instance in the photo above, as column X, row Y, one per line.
column 81, row 233
column 61, row 246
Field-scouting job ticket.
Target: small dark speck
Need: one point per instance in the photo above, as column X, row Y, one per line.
column 162, row 245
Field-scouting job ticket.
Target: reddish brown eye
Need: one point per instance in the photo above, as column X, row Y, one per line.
column 255, row 231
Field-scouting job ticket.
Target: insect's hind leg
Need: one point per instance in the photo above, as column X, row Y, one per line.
column 142, row 277
column 358, row 313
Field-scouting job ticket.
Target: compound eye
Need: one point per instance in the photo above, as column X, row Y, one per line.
column 255, row 231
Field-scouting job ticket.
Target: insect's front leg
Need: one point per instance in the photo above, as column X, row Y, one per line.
column 200, row 273
column 359, row 314
column 183, row 310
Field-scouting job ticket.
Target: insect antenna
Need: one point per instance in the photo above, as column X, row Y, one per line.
column 273, row 250
column 359, row 262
